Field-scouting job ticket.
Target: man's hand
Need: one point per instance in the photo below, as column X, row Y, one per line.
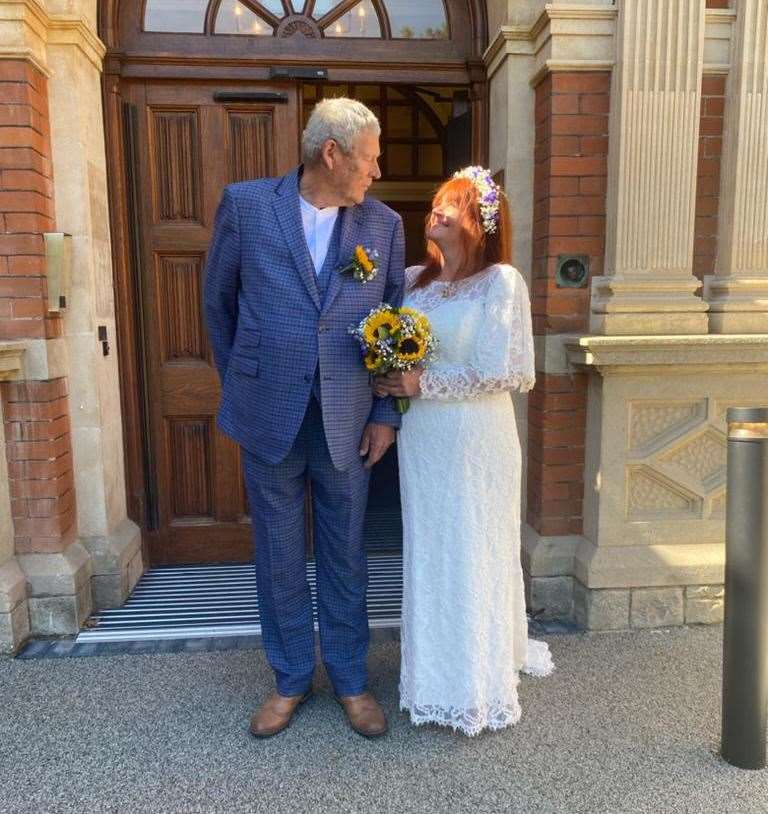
column 377, row 439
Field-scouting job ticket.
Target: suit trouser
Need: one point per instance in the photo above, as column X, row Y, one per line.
column 276, row 496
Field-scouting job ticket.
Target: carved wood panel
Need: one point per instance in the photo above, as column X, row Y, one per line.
column 191, row 487
column 176, row 160
column 179, row 284
column 251, row 145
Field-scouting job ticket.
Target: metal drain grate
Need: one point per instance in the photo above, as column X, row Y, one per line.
column 175, row 602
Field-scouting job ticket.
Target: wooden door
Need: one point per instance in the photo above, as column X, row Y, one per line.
column 192, row 139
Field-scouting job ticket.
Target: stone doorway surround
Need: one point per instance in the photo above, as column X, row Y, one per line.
column 60, row 557
column 631, row 533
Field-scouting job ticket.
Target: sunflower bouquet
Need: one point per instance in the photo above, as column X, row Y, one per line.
column 395, row 339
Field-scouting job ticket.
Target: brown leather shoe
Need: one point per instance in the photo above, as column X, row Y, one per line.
column 364, row 714
column 275, row 714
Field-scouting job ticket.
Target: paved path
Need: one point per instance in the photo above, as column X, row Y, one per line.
column 628, row 723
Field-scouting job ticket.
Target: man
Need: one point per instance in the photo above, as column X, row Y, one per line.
column 296, row 396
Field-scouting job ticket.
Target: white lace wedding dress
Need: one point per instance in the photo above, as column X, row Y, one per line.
column 464, row 634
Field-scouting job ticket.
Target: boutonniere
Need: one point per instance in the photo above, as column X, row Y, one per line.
column 363, row 266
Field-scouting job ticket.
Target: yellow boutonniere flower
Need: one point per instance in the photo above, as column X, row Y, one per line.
column 363, row 266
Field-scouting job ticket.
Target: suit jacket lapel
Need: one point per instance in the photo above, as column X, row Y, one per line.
column 288, row 214
column 350, row 229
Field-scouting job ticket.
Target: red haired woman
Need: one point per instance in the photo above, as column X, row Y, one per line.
column 464, row 630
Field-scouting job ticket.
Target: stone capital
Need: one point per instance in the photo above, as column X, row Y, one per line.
column 28, row 30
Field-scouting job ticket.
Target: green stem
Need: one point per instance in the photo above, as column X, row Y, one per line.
column 402, row 404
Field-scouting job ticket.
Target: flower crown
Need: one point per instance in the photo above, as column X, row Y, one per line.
column 488, row 195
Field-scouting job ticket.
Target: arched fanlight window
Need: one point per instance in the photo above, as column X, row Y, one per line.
column 371, row 19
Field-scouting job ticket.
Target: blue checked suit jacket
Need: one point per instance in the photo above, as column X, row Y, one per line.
column 270, row 330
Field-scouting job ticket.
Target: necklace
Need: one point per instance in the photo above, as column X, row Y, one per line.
column 449, row 289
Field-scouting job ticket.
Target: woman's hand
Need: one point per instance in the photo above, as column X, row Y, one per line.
column 399, row 384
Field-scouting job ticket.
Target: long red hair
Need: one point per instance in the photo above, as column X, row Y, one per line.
column 480, row 250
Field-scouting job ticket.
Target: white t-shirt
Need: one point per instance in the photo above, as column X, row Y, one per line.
column 318, row 227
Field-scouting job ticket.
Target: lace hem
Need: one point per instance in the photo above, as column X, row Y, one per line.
column 499, row 714
column 539, row 662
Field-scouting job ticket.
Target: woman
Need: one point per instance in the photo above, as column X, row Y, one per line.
column 464, row 629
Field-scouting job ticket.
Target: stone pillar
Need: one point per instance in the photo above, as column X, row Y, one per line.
column 77, row 134
column 549, row 66
column 72, row 538
column 738, row 291
column 648, row 287
column 38, row 442
column 14, row 607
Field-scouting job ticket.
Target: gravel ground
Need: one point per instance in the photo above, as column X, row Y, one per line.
column 628, row 723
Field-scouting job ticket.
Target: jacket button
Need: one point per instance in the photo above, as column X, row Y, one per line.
column 322, row 329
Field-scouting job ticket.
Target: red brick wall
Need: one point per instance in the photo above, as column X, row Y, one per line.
column 718, row 3
column 35, row 413
column 708, row 177
column 571, row 167
column 38, row 448
column 26, row 202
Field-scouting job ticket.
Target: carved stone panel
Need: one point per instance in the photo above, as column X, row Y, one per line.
column 676, row 456
column 701, row 458
column 653, row 423
column 651, row 495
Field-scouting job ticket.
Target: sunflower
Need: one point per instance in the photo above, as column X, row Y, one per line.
column 386, row 320
column 372, row 361
column 362, row 258
column 411, row 349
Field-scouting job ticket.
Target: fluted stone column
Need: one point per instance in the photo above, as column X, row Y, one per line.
column 738, row 291
column 649, row 287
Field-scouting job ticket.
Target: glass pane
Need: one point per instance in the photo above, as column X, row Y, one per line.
column 235, row 18
column 335, row 91
column 425, row 127
column 187, row 16
column 424, row 20
column 399, row 121
column 367, row 93
column 322, row 7
column 276, row 6
column 400, row 159
column 359, row 21
column 297, row 6
column 430, row 159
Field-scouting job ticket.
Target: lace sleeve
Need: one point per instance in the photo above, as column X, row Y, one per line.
column 503, row 357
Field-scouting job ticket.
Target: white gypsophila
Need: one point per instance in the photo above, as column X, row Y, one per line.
column 339, row 119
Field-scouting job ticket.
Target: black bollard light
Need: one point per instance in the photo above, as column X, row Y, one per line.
column 745, row 629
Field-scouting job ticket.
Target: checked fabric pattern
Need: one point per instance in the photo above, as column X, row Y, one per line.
column 271, row 331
